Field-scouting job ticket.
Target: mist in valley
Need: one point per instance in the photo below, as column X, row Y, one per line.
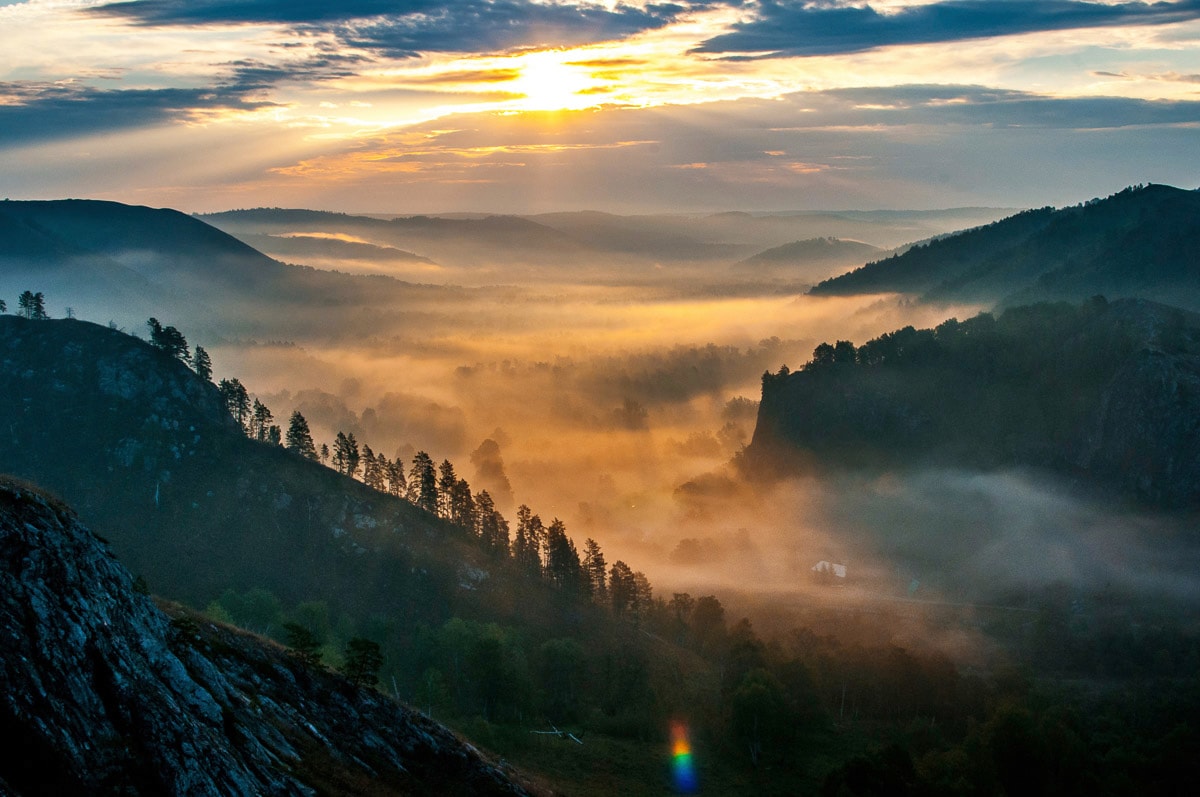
column 617, row 401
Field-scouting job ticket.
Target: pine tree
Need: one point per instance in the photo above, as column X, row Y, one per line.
column 202, row 363
column 562, row 559
column 422, row 483
column 527, row 543
column 621, row 588
column 372, row 471
column 595, row 570
column 32, row 306
column 363, row 660
column 299, row 437
column 237, row 401
column 168, row 339
column 346, row 456
column 260, row 421
column 395, row 476
column 446, row 481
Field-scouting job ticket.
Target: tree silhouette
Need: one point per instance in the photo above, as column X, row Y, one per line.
column 422, row 483
column 237, row 401
column 299, row 437
column 363, row 660
column 32, row 306
column 169, row 339
column 202, row 363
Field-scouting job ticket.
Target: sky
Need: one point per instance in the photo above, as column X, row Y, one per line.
column 523, row 106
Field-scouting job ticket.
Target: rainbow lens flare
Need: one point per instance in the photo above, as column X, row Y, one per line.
column 682, row 766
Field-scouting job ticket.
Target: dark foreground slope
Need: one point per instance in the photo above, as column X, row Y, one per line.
column 147, row 454
column 101, row 693
column 1142, row 242
column 1105, row 393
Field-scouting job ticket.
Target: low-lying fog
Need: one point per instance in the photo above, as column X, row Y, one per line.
column 603, row 400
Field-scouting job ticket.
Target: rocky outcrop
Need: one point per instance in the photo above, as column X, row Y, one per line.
column 101, row 692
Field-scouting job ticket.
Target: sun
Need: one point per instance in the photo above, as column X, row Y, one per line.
column 549, row 81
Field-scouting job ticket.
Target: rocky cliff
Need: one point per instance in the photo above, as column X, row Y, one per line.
column 103, row 693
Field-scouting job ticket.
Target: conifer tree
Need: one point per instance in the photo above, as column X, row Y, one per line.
column 422, row 483
column 363, row 660
column 446, row 481
column 202, row 363
column 299, row 437
column 260, row 421
column 595, row 569
column 237, row 401
column 32, row 306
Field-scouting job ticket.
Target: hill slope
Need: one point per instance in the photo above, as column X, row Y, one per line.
column 101, row 693
column 147, row 453
column 1105, row 393
column 1141, row 242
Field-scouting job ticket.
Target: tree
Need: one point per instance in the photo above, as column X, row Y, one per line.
column 299, row 438
column 621, row 588
column 527, row 542
column 237, row 401
column 363, row 660
column 32, row 306
column 304, row 643
column 446, row 481
column 260, row 421
column 3, row 306
column 168, row 339
column 324, row 454
column 422, row 483
column 595, row 571
column 562, row 560
column 493, row 528
column 346, row 456
column 202, row 363
column 463, row 512
column 372, row 471
column 395, row 476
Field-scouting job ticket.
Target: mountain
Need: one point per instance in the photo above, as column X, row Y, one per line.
column 809, row 258
column 1142, row 242
column 102, row 693
column 109, row 260
column 452, row 241
column 1106, row 394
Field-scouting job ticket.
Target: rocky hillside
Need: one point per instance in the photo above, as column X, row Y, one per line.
column 102, row 693
column 1142, row 242
column 1107, row 394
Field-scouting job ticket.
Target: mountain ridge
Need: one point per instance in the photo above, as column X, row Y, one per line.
column 1140, row 242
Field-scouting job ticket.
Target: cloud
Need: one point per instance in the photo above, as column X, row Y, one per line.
column 806, row 29
column 37, row 111
column 411, row 27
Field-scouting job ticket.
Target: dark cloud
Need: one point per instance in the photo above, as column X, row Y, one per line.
column 978, row 105
column 806, row 28
column 33, row 111
column 477, row 26
column 409, row 27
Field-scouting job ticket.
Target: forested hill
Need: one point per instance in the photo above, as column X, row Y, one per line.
column 1142, row 242
column 102, row 693
column 1105, row 393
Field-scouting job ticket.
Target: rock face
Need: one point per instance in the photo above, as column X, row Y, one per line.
column 103, row 693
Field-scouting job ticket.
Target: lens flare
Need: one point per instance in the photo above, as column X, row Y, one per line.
column 682, row 766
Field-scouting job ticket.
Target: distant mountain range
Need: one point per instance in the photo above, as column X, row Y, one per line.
column 572, row 239
column 1142, row 242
